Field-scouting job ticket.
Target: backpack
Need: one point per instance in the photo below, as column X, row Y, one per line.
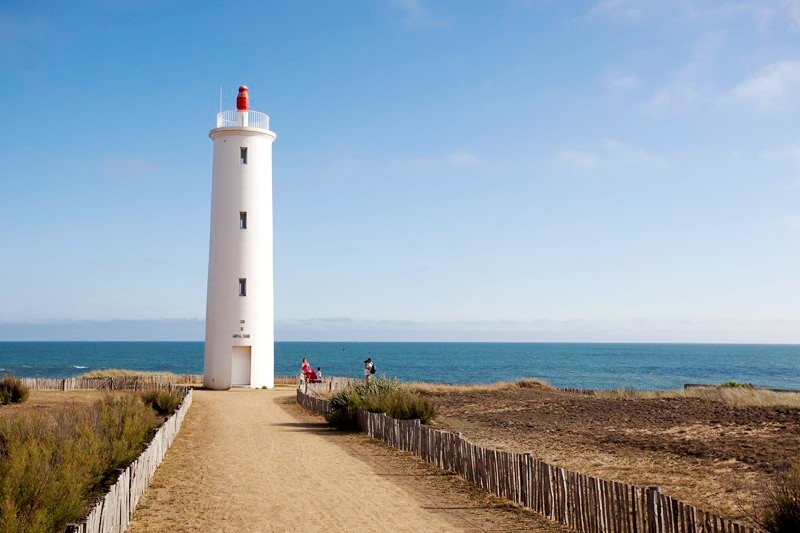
column 372, row 370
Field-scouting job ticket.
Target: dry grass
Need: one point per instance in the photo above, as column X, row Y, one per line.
column 734, row 396
column 40, row 400
column 56, row 461
column 746, row 397
column 441, row 388
column 123, row 373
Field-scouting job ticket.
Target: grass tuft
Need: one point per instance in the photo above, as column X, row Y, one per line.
column 736, row 396
column 782, row 512
column 379, row 395
column 441, row 388
column 123, row 373
column 735, row 384
column 12, row 390
column 162, row 401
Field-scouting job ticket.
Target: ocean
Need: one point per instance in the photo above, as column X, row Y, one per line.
column 584, row 365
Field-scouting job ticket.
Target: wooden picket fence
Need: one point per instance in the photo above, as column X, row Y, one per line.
column 114, row 511
column 583, row 503
column 119, row 383
column 327, row 385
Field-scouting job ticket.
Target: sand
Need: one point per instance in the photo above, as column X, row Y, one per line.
column 251, row 460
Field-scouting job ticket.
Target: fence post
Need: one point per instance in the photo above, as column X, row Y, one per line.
column 654, row 509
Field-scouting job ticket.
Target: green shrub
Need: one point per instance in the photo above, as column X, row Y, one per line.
column 164, row 402
column 12, row 390
column 782, row 513
column 380, row 395
column 54, row 464
column 735, row 384
column 344, row 404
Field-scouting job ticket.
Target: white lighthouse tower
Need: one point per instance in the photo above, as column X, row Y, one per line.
column 239, row 349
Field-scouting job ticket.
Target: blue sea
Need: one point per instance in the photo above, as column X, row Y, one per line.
column 600, row 366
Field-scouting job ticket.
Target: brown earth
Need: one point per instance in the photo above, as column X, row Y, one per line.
column 40, row 400
column 712, row 455
column 252, row 460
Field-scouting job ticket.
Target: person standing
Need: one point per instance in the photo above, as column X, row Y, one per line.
column 369, row 369
column 305, row 369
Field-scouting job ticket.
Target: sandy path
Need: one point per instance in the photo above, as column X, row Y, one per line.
column 249, row 460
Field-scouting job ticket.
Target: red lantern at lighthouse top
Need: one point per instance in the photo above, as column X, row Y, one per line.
column 243, row 100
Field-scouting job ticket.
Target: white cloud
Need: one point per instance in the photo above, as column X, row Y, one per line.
column 462, row 159
column 417, row 15
column 792, row 10
column 631, row 155
column 610, row 153
column 790, row 153
column 761, row 13
column 791, row 221
column 788, row 157
column 773, row 88
column 578, row 159
column 622, row 83
column 344, row 165
column 626, row 9
column 686, row 90
column 676, row 98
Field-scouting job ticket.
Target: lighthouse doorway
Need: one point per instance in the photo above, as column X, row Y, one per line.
column 240, row 366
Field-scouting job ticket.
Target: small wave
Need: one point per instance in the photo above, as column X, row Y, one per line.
column 79, row 366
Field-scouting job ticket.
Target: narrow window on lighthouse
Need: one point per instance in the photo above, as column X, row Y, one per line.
column 242, row 219
column 242, row 286
column 243, row 156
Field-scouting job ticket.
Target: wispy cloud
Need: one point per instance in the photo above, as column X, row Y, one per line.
column 639, row 329
column 761, row 13
column 791, row 221
column 625, row 9
column 787, row 156
column 131, row 168
column 579, row 159
column 417, row 15
column 631, row 155
column 460, row 158
column 679, row 97
column 620, row 83
column 610, row 153
column 773, row 88
column 687, row 88
column 18, row 34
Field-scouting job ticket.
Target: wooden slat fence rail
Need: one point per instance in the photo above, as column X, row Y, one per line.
column 113, row 513
column 120, row 383
column 327, row 385
column 582, row 502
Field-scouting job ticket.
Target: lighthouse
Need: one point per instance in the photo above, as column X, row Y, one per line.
column 239, row 348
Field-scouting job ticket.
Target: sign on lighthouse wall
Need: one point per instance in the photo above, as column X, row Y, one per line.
column 239, row 347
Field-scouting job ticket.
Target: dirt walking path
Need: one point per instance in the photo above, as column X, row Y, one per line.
column 251, row 460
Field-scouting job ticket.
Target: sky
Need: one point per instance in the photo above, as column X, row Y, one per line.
column 519, row 170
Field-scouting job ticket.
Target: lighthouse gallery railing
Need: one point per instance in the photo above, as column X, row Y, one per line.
column 249, row 119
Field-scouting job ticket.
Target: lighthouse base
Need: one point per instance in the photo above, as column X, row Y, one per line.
column 238, row 365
